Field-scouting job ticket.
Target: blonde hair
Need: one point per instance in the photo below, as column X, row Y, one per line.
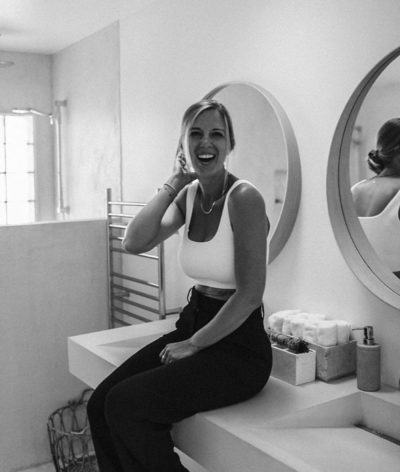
column 194, row 111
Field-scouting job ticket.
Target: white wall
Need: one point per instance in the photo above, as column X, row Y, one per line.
column 310, row 55
column 86, row 74
column 28, row 84
column 53, row 285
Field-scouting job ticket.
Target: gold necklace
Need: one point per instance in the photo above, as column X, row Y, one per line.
column 215, row 201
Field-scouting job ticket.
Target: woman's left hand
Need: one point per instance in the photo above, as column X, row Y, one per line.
column 174, row 351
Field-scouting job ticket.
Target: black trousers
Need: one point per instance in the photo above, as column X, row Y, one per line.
column 132, row 411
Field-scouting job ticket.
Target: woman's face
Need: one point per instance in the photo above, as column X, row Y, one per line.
column 208, row 142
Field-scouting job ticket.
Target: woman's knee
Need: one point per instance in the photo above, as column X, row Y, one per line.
column 127, row 401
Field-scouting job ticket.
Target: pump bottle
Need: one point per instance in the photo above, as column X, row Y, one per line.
column 368, row 362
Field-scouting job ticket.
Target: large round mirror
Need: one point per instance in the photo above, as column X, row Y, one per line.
column 266, row 154
column 361, row 236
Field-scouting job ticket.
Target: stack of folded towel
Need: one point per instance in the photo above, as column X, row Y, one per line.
column 311, row 327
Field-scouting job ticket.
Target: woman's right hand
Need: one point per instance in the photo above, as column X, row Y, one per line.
column 181, row 170
column 158, row 220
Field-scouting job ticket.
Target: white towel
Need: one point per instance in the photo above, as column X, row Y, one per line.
column 343, row 331
column 275, row 321
column 316, row 316
column 327, row 333
column 297, row 324
column 310, row 332
column 287, row 324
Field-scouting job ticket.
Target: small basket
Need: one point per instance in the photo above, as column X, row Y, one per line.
column 70, row 437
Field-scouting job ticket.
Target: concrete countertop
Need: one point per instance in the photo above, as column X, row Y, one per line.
column 244, row 436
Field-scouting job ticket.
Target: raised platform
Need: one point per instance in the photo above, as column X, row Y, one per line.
column 251, row 435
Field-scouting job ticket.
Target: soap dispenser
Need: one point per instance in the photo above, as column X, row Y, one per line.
column 368, row 362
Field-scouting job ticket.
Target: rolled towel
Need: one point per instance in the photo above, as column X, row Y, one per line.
column 287, row 324
column 310, row 332
column 276, row 319
column 327, row 333
column 304, row 314
column 275, row 322
column 343, row 331
column 316, row 316
column 297, row 324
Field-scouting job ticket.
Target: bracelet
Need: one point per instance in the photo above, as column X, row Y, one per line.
column 173, row 188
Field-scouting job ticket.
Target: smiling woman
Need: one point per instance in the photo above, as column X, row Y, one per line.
column 219, row 354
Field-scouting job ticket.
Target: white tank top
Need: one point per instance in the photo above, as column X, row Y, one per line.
column 383, row 232
column 211, row 262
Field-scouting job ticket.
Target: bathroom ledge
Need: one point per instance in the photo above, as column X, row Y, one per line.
column 245, row 436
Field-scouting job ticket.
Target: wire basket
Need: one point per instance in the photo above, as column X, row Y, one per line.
column 70, row 437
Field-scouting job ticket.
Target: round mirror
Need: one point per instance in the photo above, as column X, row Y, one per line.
column 371, row 105
column 266, row 154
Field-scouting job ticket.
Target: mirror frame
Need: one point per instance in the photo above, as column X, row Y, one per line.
column 353, row 243
column 292, row 196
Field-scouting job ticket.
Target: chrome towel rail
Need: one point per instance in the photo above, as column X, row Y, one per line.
column 124, row 287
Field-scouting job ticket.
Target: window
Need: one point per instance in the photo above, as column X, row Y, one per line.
column 17, row 170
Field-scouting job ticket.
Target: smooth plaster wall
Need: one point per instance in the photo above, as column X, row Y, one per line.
column 310, row 55
column 28, row 84
column 86, row 74
column 53, row 284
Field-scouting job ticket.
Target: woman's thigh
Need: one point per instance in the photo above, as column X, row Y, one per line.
column 207, row 380
column 145, row 359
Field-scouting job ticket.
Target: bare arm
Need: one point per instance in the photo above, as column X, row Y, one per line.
column 250, row 229
column 160, row 218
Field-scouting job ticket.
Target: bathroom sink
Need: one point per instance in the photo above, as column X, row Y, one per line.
column 360, row 431
column 119, row 351
column 132, row 343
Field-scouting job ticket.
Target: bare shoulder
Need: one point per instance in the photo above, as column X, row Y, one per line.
column 246, row 206
column 360, row 187
column 371, row 197
column 246, row 194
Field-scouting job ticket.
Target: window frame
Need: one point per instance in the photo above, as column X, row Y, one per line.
column 30, row 142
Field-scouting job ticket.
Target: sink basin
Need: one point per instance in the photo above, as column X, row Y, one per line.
column 119, row 351
column 132, row 343
column 93, row 356
column 310, row 428
column 360, row 431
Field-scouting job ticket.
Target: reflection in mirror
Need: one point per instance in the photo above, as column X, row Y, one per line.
column 377, row 197
column 363, row 181
column 266, row 154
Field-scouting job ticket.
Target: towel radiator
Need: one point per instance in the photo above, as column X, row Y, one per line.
column 127, row 290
